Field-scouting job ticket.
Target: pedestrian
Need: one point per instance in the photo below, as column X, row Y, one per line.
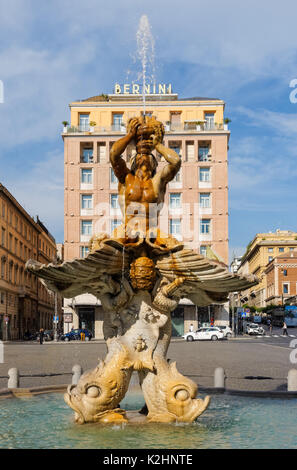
column 191, row 327
column 285, row 331
column 41, row 335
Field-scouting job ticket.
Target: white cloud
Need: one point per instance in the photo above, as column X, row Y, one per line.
column 40, row 191
column 280, row 123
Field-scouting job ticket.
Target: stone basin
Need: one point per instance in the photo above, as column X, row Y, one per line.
column 45, row 421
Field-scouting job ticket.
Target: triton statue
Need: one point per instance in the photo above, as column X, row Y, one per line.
column 140, row 274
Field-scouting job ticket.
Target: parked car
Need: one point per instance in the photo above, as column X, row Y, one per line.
column 28, row 336
column 226, row 330
column 254, row 329
column 212, row 333
column 75, row 335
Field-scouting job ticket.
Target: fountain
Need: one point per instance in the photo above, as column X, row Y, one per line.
column 140, row 274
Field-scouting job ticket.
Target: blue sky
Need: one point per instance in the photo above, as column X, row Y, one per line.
column 54, row 52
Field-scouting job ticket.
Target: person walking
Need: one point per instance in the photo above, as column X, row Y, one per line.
column 191, row 327
column 41, row 335
column 285, row 331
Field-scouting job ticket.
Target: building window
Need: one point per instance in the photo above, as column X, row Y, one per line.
column 114, row 223
column 175, row 227
column 291, row 248
column 10, row 242
column 270, row 250
column 204, row 200
column 203, row 153
column 281, row 250
column 204, row 175
column 203, row 250
column 3, row 268
column 270, row 258
column 209, row 120
column 205, row 226
column 114, row 201
column 87, row 176
column 285, row 288
column 285, row 272
column 84, row 251
column 87, row 155
column 86, row 227
column 84, row 122
column 175, row 200
column 86, row 201
column 113, row 178
column 117, row 122
column 3, row 237
column 10, row 267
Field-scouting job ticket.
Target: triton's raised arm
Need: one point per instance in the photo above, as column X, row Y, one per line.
column 118, row 163
column 174, row 163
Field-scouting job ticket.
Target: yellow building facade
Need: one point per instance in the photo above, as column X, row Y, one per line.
column 260, row 252
column 25, row 303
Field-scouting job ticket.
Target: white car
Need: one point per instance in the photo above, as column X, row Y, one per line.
column 226, row 330
column 211, row 333
column 254, row 329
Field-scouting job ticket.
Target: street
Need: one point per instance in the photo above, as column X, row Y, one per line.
column 267, row 358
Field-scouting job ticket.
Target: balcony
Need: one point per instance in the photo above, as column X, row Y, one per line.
column 89, row 130
column 187, row 127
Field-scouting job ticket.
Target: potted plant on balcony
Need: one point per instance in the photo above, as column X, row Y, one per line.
column 65, row 124
column 92, row 125
column 226, row 122
column 199, row 125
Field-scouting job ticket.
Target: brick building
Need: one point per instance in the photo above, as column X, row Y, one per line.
column 281, row 278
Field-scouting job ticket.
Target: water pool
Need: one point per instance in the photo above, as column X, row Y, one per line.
column 46, row 422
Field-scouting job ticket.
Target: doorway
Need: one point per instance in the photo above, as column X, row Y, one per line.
column 177, row 321
column 86, row 317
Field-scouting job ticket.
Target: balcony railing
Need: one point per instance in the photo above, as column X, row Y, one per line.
column 187, row 127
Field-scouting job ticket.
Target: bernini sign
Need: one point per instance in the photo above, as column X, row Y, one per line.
column 136, row 89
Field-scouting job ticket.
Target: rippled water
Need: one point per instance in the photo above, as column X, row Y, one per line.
column 230, row 422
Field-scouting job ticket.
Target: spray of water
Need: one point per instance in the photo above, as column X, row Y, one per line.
column 146, row 53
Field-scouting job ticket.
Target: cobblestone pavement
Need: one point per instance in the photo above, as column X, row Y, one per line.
column 240, row 357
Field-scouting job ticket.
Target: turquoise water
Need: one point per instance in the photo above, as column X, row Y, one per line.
column 45, row 422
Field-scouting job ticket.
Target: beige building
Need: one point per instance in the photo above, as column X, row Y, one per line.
column 260, row 253
column 196, row 205
column 25, row 304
